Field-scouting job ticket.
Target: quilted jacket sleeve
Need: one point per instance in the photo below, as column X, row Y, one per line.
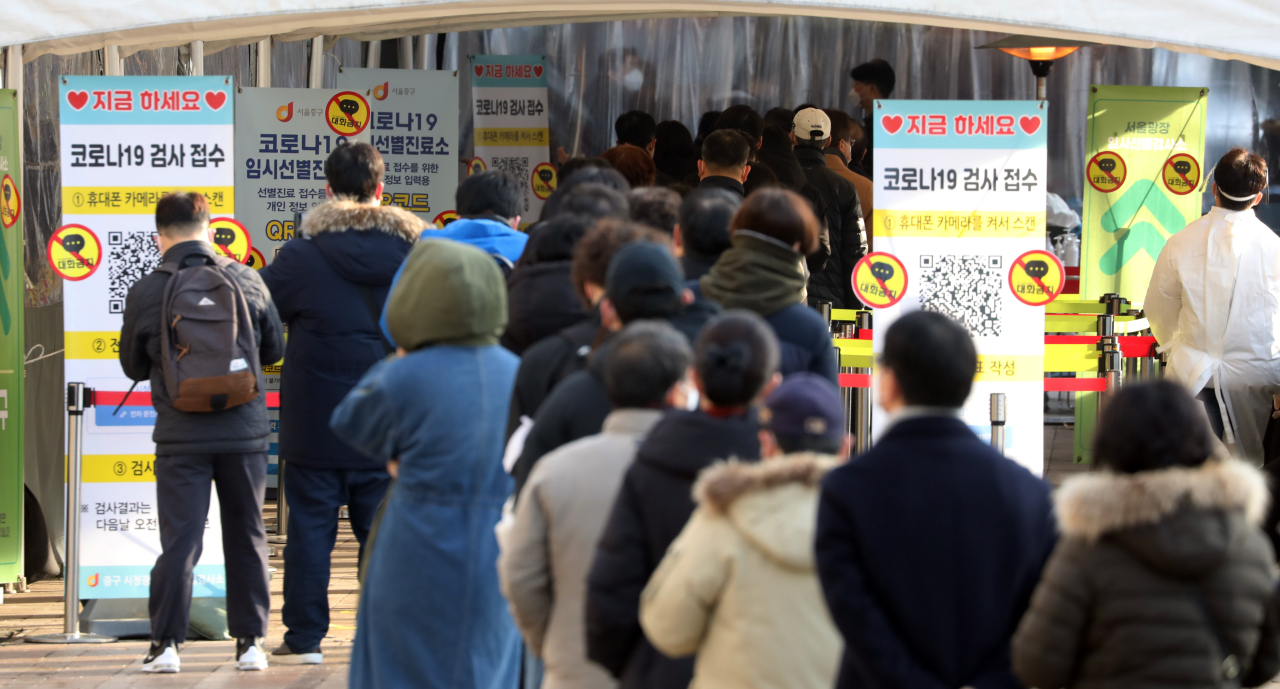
column 1046, row 647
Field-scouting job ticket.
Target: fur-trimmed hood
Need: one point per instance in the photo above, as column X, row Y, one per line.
column 772, row 504
column 340, row 215
column 1180, row 520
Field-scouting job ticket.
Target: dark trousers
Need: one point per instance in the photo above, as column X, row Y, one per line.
column 182, row 498
column 314, row 496
column 1209, row 398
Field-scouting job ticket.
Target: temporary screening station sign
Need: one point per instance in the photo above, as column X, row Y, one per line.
column 127, row 141
column 960, row 199
column 414, row 125
column 509, row 108
column 1145, row 146
column 12, row 344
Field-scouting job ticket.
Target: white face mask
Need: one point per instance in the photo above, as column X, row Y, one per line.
column 633, row 80
column 691, row 398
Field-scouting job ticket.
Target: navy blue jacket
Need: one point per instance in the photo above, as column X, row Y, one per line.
column 315, row 282
column 929, row 546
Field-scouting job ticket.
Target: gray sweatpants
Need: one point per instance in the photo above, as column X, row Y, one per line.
column 182, row 499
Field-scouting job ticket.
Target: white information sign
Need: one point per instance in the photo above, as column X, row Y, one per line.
column 509, row 108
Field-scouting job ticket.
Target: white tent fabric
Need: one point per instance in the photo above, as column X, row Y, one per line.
column 1225, row 29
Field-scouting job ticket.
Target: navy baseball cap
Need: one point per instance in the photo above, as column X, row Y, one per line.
column 805, row 404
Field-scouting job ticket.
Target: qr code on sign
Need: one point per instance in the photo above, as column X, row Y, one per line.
column 518, row 167
column 133, row 254
column 966, row 288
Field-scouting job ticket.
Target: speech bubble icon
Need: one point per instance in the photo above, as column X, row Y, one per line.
column 1182, row 167
column 348, row 106
column 224, row 236
column 545, row 175
column 73, row 243
column 883, row 271
column 8, row 193
column 1037, row 269
column 1107, row 165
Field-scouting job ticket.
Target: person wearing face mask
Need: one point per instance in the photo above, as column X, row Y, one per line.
column 872, row 81
column 545, row 558
column 643, row 282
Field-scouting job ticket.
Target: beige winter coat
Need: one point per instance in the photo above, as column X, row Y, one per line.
column 738, row 587
column 546, row 556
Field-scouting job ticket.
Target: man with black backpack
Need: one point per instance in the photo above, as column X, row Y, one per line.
column 330, row 283
column 200, row 328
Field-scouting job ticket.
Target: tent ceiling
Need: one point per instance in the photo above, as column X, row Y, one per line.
column 1225, row 29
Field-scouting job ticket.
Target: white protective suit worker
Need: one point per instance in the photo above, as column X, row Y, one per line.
column 1214, row 305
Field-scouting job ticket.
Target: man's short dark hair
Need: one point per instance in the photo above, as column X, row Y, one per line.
column 704, row 221
column 354, row 171
column 643, row 362
column 877, row 72
column 181, row 213
column 1240, row 174
column 744, row 118
column 493, row 192
column 576, row 163
column 726, row 149
column 637, row 128
column 594, row 201
column 780, row 118
column 656, row 207
column 932, row 357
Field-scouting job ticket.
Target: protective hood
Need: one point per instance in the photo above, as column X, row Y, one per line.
column 449, row 293
column 773, row 504
column 1179, row 521
column 758, row 273
column 365, row 244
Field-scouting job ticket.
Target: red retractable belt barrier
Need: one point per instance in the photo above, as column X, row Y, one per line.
column 1131, row 346
column 103, row 398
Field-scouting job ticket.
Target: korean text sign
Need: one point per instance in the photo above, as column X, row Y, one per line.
column 127, row 141
column 11, row 338
column 1144, row 181
column 959, row 197
column 509, row 108
column 414, row 126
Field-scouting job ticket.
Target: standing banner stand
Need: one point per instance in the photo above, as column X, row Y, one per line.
column 125, row 142
column 283, row 137
column 1144, row 181
column 414, row 126
column 509, row 104
column 77, row 401
column 960, row 230
column 11, row 343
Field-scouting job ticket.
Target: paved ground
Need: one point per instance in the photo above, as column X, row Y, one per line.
column 205, row 664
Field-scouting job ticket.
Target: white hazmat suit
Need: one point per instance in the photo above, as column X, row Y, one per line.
column 1214, row 307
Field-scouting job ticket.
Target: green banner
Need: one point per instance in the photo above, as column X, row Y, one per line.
column 1144, row 177
column 11, row 340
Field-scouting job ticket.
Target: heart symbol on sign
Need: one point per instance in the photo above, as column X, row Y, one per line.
column 1029, row 123
column 479, row 70
column 537, row 71
column 891, row 123
column 77, row 99
column 215, row 99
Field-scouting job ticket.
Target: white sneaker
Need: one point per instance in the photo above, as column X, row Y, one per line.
column 287, row 656
column 249, row 654
column 163, row 657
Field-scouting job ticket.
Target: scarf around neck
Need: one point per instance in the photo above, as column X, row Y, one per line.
column 758, row 273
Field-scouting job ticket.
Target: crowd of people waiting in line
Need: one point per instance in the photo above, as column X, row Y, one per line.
column 610, row 452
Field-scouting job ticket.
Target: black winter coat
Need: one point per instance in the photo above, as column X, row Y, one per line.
column 1155, row 572
column 928, row 548
column 316, row 282
column 653, row 504
column 241, row 429
column 777, row 152
column 834, row 283
column 547, row 363
column 541, row 302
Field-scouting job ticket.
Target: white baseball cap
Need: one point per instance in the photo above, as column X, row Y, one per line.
column 811, row 124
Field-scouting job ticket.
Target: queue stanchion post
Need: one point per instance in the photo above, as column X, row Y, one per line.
column 1110, row 360
column 78, row 398
column 997, row 421
column 862, row 398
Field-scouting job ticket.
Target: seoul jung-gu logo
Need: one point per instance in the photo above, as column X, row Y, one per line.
column 347, row 113
column 380, row 91
column 284, row 113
